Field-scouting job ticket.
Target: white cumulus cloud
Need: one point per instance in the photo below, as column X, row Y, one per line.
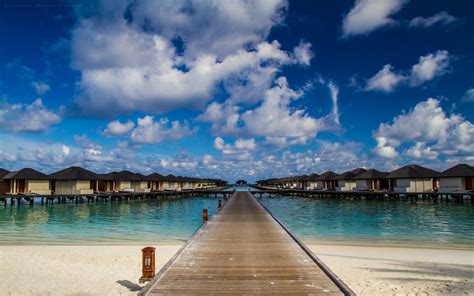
column 149, row 131
column 429, row 66
column 369, row 15
column 385, row 80
column 431, row 131
column 20, row 117
column 116, row 128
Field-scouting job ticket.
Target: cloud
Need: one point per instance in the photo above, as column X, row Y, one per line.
column 429, row 67
column 275, row 118
column 34, row 117
column 303, row 53
column 441, row 18
column 66, row 150
column 237, row 147
column 135, row 69
column 369, row 15
column 385, row 80
column 431, row 131
column 40, row 87
column 468, row 96
column 116, row 128
column 149, row 131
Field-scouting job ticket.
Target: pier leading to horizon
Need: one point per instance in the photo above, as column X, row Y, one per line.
column 245, row 250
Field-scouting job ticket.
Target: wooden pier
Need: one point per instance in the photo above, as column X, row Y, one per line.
column 31, row 199
column 434, row 197
column 245, row 250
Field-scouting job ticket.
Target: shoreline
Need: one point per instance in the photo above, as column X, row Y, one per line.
column 368, row 270
column 308, row 242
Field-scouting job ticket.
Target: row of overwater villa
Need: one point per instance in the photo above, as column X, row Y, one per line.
column 410, row 178
column 77, row 180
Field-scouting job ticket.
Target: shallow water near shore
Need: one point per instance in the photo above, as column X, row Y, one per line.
column 343, row 222
column 373, row 223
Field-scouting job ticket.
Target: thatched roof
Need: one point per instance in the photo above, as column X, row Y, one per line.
column 460, row 170
column 74, row 173
column 371, row 174
column 3, row 173
column 312, row 177
column 349, row 175
column 26, row 174
column 413, row 171
column 155, row 177
column 326, row 176
column 121, row 176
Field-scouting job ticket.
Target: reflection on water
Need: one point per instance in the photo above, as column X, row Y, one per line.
column 435, row 225
column 152, row 221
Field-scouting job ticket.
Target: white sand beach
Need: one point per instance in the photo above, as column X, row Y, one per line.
column 115, row 270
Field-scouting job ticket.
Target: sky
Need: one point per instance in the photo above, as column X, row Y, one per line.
column 236, row 89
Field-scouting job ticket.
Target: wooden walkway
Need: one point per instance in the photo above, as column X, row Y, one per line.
column 244, row 250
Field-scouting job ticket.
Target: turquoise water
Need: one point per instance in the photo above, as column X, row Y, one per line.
column 170, row 221
column 375, row 222
column 137, row 222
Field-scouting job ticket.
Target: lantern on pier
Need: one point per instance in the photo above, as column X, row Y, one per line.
column 148, row 264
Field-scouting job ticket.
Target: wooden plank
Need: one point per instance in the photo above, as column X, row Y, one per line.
column 243, row 249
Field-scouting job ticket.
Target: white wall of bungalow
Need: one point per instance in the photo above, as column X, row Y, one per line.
column 26, row 186
column 345, row 185
column 75, row 186
column 414, row 185
column 453, row 184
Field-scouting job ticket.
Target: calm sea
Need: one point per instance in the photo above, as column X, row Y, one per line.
column 171, row 221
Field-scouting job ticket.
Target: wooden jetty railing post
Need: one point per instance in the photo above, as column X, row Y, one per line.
column 219, row 203
column 204, row 215
column 148, row 264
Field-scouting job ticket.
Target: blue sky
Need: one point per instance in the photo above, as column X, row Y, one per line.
column 236, row 90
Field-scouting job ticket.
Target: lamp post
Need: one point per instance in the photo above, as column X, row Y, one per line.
column 148, row 264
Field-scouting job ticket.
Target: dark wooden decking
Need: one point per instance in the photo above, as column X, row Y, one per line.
column 244, row 250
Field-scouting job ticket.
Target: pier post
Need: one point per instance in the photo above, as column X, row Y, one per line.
column 219, row 203
column 12, row 201
column 31, row 201
column 4, row 202
column 204, row 215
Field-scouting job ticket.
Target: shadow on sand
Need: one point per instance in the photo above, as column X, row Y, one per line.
column 129, row 285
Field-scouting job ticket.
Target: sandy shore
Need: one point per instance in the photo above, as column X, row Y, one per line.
column 115, row 270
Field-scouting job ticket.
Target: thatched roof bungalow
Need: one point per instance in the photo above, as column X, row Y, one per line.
column 413, row 178
column 74, row 180
column 372, row 180
column 3, row 173
column 325, row 181
column 458, row 178
column 27, row 181
column 346, row 181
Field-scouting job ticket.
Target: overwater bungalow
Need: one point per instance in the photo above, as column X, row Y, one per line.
column 413, row 178
column 118, row 181
column 325, row 181
column 311, row 182
column 459, row 178
column 156, row 181
column 3, row 173
column 171, row 182
column 186, row 183
column 74, row 180
column 371, row 180
column 346, row 181
column 27, row 181
column 141, row 183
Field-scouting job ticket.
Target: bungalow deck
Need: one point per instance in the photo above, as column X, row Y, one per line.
column 245, row 250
